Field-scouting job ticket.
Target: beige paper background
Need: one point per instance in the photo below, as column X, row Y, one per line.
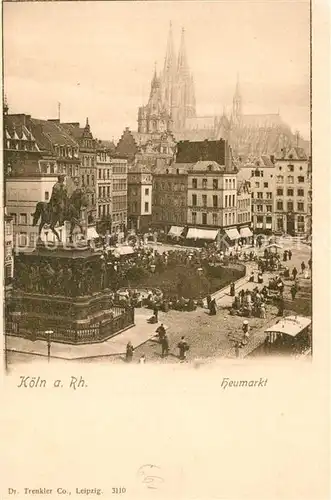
column 254, row 443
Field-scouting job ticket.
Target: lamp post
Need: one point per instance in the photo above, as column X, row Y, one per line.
column 49, row 333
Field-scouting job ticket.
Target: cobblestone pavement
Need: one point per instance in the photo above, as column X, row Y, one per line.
column 208, row 336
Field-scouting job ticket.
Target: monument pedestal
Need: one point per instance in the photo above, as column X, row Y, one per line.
column 63, row 290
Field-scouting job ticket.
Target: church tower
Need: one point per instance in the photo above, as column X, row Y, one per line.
column 184, row 102
column 154, row 117
column 237, row 104
column 168, row 77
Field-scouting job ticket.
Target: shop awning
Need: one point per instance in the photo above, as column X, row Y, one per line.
column 175, row 231
column 201, row 234
column 232, row 233
column 91, row 233
column 292, row 325
column 127, row 250
column 245, row 232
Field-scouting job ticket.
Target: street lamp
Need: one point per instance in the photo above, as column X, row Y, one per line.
column 49, row 333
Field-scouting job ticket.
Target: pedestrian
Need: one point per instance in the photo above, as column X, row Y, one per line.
column 208, row 301
column 245, row 329
column 142, row 359
column 156, row 313
column 161, row 331
column 289, row 255
column 251, row 278
column 294, row 273
column 303, row 267
column 293, row 291
column 285, row 256
column 281, row 307
column 232, row 290
column 129, row 352
column 183, row 348
column 165, row 346
column 262, row 311
column 212, row 307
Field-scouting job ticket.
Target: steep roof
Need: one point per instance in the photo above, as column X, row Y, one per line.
column 54, row 132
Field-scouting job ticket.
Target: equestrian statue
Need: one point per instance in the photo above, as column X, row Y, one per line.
column 61, row 208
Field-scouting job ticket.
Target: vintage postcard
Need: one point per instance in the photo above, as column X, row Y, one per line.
column 165, row 238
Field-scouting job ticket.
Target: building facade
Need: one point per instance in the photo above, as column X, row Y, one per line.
column 104, row 185
column 139, row 198
column 293, row 192
column 170, row 197
column 119, row 168
column 260, row 173
column 244, row 205
column 8, row 250
column 88, row 164
column 212, row 196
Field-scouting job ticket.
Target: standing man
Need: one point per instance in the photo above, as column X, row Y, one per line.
column 183, row 348
column 59, row 198
column 165, row 346
column 294, row 273
column 129, row 352
column 289, row 255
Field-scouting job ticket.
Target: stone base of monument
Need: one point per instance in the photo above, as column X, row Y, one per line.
column 60, row 295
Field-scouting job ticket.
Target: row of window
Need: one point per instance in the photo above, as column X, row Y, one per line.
column 260, row 208
column 119, row 203
column 290, row 179
column 88, row 161
column 265, row 184
column 134, row 191
column 87, row 180
column 229, row 200
column 244, row 217
column 243, row 203
column 104, row 192
column 103, row 157
column 119, row 185
column 104, row 173
column 120, row 169
column 104, row 210
column 166, row 215
column 290, row 206
column 66, row 151
column 229, row 183
column 259, row 195
column 290, row 192
column 229, row 219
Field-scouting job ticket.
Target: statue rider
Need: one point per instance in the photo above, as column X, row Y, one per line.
column 59, row 198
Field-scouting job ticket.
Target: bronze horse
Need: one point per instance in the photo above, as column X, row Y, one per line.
column 68, row 211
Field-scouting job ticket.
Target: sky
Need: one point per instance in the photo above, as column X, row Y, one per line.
column 97, row 58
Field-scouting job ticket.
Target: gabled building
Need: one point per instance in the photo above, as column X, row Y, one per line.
column 260, row 174
column 293, row 192
column 88, row 163
column 139, row 197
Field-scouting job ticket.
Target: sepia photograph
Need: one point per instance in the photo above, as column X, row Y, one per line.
column 157, row 163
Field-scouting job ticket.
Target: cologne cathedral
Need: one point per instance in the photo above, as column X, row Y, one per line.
column 170, row 116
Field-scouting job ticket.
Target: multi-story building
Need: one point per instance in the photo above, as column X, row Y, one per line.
column 104, row 185
column 31, row 170
column 9, row 250
column 293, row 192
column 119, row 168
column 139, row 197
column 260, row 173
column 170, row 198
column 244, row 211
column 88, row 168
column 212, row 198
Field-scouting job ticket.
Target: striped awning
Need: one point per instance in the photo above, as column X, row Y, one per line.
column 175, row 231
column 125, row 250
column 232, row 233
column 201, row 234
column 245, row 232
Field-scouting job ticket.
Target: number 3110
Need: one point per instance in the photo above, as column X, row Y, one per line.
column 118, row 491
